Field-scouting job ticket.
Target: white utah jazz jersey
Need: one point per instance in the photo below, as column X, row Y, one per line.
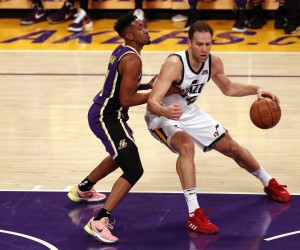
column 204, row 129
column 191, row 83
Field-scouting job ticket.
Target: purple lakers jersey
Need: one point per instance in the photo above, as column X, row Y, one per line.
column 108, row 97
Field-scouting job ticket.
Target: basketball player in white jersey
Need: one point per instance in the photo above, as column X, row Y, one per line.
column 178, row 122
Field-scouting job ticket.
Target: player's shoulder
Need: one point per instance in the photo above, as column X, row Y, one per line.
column 215, row 61
column 130, row 63
column 215, row 58
column 174, row 58
column 131, row 56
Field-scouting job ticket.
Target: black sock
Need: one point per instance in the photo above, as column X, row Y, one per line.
column 102, row 213
column 85, row 185
column 84, row 5
column 38, row 3
column 138, row 4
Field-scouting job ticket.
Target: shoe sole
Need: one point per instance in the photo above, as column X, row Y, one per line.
column 74, row 198
column 78, row 199
column 277, row 198
column 27, row 23
column 97, row 237
column 293, row 32
column 85, row 26
column 237, row 30
column 201, row 230
column 31, row 22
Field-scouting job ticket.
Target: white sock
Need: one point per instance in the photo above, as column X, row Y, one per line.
column 263, row 176
column 191, row 199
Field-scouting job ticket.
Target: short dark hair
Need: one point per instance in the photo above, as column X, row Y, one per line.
column 123, row 22
column 200, row 27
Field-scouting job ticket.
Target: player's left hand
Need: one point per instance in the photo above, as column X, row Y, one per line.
column 149, row 85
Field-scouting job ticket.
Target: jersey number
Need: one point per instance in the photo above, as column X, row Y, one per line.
column 194, row 89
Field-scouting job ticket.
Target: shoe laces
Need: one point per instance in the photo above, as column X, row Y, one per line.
column 35, row 10
column 107, row 224
column 279, row 187
column 90, row 193
column 203, row 214
column 79, row 16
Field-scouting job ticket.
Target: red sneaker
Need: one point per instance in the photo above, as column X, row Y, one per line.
column 277, row 191
column 200, row 224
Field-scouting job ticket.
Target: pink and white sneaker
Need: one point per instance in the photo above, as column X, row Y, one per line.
column 100, row 230
column 89, row 196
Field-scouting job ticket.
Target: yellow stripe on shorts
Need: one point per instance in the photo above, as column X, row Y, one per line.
column 161, row 135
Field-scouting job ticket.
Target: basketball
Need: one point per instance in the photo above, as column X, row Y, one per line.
column 265, row 113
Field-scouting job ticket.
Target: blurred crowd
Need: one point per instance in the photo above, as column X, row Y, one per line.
column 286, row 16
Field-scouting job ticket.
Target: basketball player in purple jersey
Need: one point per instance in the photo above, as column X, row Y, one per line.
column 178, row 122
column 108, row 120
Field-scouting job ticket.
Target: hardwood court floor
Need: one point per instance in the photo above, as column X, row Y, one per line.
column 48, row 84
column 46, row 141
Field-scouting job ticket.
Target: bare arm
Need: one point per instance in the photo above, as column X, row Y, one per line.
column 170, row 72
column 230, row 88
column 149, row 85
column 130, row 68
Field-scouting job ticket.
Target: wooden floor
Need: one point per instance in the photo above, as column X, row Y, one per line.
column 46, row 142
column 45, row 139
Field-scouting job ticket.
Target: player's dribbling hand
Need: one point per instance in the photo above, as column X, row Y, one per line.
column 173, row 111
column 266, row 93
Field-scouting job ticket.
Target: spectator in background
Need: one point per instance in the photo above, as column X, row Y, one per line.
column 240, row 24
column 193, row 14
column 138, row 12
column 280, row 17
column 293, row 16
column 258, row 19
column 68, row 11
column 37, row 14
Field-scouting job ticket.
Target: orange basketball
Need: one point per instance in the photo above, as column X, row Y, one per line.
column 265, row 113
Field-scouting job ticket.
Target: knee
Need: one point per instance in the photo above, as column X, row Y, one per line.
column 134, row 174
column 186, row 147
column 130, row 163
column 137, row 173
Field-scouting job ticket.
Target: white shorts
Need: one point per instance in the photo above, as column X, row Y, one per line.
column 204, row 130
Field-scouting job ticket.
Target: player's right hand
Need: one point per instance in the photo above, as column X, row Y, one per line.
column 173, row 111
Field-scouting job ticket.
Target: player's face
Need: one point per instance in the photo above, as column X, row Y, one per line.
column 200, row 46
column 140, row 32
